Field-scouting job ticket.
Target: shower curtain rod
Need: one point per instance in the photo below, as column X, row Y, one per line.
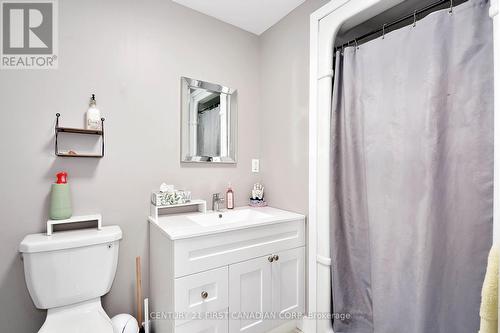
column 383, row 29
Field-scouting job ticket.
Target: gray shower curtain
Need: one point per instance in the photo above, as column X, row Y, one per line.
column 412, row 176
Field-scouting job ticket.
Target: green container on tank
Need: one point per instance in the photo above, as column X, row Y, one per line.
column 60, row 201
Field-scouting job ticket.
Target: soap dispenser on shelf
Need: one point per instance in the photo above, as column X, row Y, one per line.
column 93, row 121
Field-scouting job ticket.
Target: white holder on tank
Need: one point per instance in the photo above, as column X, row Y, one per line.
column 75, row 219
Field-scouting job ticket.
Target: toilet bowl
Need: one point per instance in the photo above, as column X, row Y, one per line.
column 67, row 273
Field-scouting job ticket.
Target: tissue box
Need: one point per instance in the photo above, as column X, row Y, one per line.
column 166, row 198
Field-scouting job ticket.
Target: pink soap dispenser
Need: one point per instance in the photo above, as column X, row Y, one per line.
column 229, row 197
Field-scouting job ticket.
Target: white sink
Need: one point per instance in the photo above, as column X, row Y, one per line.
column 182, row 226
column 228, row 216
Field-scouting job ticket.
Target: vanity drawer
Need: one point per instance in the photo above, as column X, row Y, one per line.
column 200, row 293
column 201, row 253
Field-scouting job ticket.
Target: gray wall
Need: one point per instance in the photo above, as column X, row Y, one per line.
column 131, row 54
column 284, row 85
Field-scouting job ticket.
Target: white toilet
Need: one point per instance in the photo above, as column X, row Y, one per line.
column 67, row 273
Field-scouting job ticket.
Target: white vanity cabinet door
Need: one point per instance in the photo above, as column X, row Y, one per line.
column 203, row 326
column 288, row 276
column 250, row 293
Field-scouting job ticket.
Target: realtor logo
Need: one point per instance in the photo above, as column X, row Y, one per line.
column 29, row 34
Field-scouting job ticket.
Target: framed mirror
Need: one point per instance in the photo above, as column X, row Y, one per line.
column 208, row 122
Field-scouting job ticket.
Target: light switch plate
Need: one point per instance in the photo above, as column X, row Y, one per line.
column 255, row 165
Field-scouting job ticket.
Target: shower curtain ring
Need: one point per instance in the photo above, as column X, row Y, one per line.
column 414, row 19
column 451, row 7
column 383, row 31
column 356, row 44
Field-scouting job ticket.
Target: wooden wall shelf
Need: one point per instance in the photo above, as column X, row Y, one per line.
column 78, row 130
column 59, row 129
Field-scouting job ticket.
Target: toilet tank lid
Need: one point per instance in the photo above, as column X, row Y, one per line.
column 69, row 239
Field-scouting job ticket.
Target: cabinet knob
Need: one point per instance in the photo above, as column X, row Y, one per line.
column 270, row 258
column 204, row 295
column 276, row 257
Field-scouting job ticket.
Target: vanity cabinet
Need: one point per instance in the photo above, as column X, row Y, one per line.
column 243, row 280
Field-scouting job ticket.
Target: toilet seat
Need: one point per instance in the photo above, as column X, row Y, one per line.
column 84, row 317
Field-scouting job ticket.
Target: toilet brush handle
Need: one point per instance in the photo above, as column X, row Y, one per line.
column 138, row 280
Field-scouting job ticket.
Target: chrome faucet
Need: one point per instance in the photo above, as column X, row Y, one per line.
column 217, row 200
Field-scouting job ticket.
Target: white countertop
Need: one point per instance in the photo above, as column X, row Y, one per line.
column 181, row 226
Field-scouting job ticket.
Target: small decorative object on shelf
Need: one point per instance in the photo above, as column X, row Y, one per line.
column 72, row 153
column 257, row 199
column 168, row 196
column 185, row 195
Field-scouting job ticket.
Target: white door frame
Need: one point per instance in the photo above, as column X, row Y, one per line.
column 324, row 26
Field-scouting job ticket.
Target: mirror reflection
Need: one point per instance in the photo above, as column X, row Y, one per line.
column 208, row 122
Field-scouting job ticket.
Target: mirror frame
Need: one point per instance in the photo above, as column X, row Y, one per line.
column 186, row 85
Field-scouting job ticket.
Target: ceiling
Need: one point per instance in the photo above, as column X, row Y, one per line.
column 255, row 16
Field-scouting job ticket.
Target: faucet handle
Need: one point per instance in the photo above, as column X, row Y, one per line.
column 218, row 197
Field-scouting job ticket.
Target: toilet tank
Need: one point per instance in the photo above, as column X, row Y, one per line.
column 70, row 266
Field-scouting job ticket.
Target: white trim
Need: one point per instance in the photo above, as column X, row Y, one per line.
column 310, row 325
column 324, row 25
